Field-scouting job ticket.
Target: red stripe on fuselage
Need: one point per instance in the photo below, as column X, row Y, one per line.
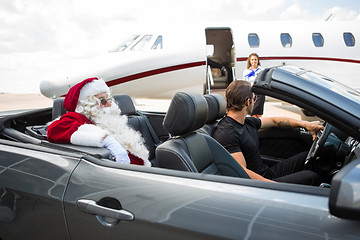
column 154, row 72
column 304, row 58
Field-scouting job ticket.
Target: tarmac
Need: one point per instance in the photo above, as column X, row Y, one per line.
column 10, row 101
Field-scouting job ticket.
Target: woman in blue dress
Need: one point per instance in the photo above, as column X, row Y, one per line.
column 250, row 73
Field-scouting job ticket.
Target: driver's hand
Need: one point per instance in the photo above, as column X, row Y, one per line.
column 313, row 127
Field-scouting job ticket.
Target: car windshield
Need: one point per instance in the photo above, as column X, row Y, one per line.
column 327, row 82
column 334, row 86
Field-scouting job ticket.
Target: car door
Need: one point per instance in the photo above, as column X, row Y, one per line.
column 276, row 144
column 105, row 201
column 32, row 184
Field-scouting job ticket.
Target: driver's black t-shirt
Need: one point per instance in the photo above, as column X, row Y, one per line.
column 236, row 137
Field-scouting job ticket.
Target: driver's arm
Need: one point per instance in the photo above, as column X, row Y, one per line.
column 239, row 157
column 285, row 123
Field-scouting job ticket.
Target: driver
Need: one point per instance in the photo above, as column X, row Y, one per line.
column 238, row 134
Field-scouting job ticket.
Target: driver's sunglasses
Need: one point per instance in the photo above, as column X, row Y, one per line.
column 104, row 101
column 254, row 97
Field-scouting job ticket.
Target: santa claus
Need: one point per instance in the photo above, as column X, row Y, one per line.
column 94, row 120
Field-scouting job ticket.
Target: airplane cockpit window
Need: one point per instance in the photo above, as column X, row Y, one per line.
column 158, row 44
column 125, row 44
column 349, row 39
column 142, row 44
column 286, row 40
column 254, row 41
column 318, row 39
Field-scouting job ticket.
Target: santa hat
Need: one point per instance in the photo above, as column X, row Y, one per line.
column 82, row 90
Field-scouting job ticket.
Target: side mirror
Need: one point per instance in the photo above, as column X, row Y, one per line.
column 345, row 192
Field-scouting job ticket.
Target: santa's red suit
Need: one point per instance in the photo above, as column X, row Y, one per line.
column 75, row 128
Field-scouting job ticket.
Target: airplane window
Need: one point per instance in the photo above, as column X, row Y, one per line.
column 286, row 40
column 253, row 40
column 142, row 44
column 124, row 44
column 158, row 43
column 349, row 39
column 318, row 40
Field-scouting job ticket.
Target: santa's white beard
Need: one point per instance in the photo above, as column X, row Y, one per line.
column 109, row 118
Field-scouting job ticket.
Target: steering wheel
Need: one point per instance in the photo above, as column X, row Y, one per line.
column 318, row 144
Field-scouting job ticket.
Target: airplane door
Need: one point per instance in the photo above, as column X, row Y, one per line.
column 220, row 58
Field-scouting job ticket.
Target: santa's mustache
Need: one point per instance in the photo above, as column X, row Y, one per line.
column 113, row 110
column 105, row 115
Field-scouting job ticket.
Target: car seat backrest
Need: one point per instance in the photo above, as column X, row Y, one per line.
column 125, row 104
column 187, row 112
column 58, row 109
column 189, row 150
column 216, row 110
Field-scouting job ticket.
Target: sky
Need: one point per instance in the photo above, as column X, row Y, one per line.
column 38, row 38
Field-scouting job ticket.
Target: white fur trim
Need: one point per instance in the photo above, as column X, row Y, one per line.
column 147, row 163
column 88, row 135
column 93, row 88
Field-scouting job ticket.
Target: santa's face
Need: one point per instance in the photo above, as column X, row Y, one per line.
column 104, row 111
column 104, row 99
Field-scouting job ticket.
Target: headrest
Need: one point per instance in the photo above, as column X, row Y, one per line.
column 187, row 112
column 58, row 109
column 216, row 105
column 125, row 104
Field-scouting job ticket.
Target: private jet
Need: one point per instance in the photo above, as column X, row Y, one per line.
column 157, row 65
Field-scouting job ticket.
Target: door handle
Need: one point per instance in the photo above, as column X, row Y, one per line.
column 91, row 207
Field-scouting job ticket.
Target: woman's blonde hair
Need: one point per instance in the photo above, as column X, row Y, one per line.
column 248, row 60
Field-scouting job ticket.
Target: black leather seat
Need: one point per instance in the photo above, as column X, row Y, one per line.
column 58, row 109
column 216, row 110
column 188, row 150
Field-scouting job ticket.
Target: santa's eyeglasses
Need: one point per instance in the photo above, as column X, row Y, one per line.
column 104, row 101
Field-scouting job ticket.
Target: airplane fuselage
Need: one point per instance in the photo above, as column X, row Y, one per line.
column 158, row 65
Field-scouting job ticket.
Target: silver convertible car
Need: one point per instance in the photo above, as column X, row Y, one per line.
column 195, row 189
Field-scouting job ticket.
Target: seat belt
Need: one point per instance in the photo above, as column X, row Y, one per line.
column 151, row 129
